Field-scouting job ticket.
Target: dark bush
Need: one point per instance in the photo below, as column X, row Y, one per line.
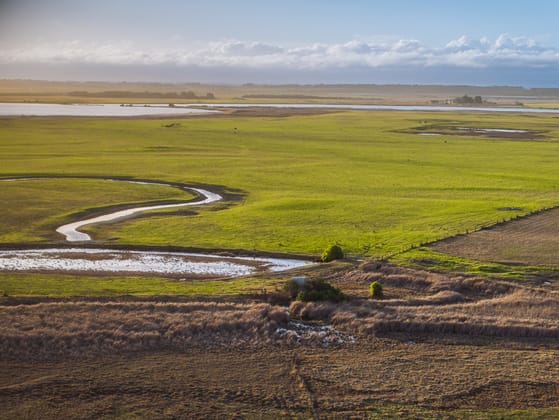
column 314, row 290
column 331, row 253
column 375, row 290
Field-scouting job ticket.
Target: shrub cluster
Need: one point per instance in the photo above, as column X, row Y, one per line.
column 331, row 253
column 375, row 290
column 314, row 290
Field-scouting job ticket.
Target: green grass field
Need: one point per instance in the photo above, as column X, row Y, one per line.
column 17, row 284
column 34, row 208
column 348, row 177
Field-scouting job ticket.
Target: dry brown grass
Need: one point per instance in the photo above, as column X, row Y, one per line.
column 417, row 302
column 424, row 302
column 377, row 378
column 436, row 343
column 532, row 240
column 62, row 329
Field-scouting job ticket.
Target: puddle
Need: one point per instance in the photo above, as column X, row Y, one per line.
column 301, row 333
column 491, row 130
column 142, row 262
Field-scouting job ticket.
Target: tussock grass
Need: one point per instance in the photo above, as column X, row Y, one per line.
column 68, row 329
column 427, row 281
column 443, row 305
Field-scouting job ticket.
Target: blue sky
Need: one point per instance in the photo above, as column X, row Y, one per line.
column 305, row 41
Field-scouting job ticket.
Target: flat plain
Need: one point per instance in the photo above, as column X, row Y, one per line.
column 442, row 343
column 351, row 177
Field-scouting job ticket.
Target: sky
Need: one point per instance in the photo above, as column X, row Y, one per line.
column 490, row 42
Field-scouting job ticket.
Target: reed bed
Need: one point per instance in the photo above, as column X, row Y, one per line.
column 442, row 304
column 63, row 329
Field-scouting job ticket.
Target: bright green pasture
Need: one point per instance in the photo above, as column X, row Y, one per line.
column 33, row 209
column 23, row 284
column 347, row 177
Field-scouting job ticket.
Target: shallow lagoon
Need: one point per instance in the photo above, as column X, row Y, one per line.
column 116, row 110
column 93, row 110
column 140, row 262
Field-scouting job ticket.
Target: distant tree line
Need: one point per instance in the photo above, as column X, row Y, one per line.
column 468, row 100
column 129, row 94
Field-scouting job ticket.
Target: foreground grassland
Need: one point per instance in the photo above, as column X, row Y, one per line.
column 378, row 380
column 353, row 178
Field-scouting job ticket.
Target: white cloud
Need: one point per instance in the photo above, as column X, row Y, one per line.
column 462, row 52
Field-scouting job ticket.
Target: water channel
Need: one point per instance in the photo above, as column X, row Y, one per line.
column 117, row 261
column 116, row 110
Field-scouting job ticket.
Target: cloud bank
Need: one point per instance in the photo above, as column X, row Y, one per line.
column 513, row 54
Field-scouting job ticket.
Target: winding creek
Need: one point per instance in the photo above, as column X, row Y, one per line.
column 97, row 260
column 70, row 230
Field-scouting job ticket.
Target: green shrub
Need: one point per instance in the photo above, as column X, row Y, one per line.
column 314, row 290
column 331, row 253
column 375, row 290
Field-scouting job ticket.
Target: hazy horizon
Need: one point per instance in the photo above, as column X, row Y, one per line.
column 312, row 42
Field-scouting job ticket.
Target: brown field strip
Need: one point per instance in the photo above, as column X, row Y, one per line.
column 277, row 382
column 436, row 343
column 532, row 240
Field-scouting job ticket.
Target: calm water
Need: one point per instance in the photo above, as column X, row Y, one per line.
column 93, row 110
column 383, row 107
column 115, row 110
column 119, row 261
column 145, row 262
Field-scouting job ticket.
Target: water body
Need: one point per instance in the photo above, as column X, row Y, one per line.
column 130, row 261
column 383, row 107
column 93, row 110
column 115, row 110
column 141, row 262
column 492, row 130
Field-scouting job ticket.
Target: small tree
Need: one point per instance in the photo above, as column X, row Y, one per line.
column 375, row 290
column 331, row 253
